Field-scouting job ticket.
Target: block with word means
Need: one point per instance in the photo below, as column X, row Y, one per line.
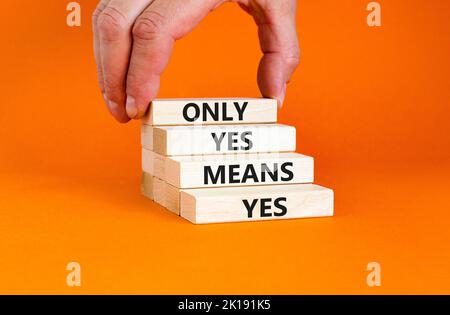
column 211, row 111
column 196, row 171
column 214, row 139
column 232, row 204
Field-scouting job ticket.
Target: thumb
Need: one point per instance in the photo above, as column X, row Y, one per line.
column 278, row 39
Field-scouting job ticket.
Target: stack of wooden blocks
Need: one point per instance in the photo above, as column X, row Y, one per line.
column 227, row 160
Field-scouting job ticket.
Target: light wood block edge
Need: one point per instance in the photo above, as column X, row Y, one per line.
column 147, row 137
column 147, row 185
column 160, row 141
column 161, row 192
column 153, row 163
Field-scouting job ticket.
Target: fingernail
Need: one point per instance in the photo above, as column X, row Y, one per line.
column 282, row 96
column 131, row 107
column 112, row 106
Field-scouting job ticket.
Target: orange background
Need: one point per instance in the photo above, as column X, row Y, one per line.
column 370, row 104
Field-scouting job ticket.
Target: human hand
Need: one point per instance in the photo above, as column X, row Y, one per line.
column 133, row 41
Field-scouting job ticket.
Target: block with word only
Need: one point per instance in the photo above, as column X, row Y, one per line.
column 251, row 203
column 211, row 111
column 196, row 171
column 220, row 139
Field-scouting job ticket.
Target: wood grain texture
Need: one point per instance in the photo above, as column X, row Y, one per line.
column 220, row 139
column 153, row 163
column 147, row 137
column 161, row 192
column 211, row 111
column 172, row 198
column 147, row 185
column 232, row 204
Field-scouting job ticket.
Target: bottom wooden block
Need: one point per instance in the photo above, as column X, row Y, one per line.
column 147, row 185
column 231, row 204
column 172, row 198
column 161, row 192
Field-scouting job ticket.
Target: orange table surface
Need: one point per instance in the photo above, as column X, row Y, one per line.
column 125, row 243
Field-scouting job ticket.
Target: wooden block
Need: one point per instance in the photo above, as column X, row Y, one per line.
column 231, row 204
column 154, row 188
column 172, row 198
column 147, row 137
column 147, row 185
column 153, row 163
column 159, row 191
column 237, row 169
column 211, row 111
column 166, row 195
column 148, row 161
column 190, row 140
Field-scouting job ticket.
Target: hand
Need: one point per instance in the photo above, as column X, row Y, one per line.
column 133, row 41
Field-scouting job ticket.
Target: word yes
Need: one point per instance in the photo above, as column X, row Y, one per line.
column 265, row 204
column 232, row 140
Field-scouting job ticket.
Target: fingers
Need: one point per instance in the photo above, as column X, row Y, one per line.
column 154, row 34
column 133, row 41
column 100, row 7
column 278, row 39
column 114, row 26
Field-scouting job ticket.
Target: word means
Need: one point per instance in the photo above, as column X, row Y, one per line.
column 237, row 176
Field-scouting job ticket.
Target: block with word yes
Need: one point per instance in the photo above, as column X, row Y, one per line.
column 232, row 204
column 220, row 139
